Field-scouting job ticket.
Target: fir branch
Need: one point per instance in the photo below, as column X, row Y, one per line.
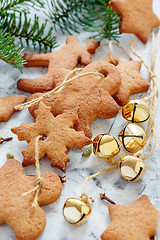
column 103, row 21
column 15, row 23
column 19, row 5
column 27, row 32
column 9, row 53
column 62, row 13
column 93, row 15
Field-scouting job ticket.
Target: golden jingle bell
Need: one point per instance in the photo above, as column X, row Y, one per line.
column 76, row 211
column 105, row 146
column 136, row 111
column 132, row 137
column 131, row 168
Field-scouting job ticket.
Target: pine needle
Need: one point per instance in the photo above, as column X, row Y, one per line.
column 29, row 34
column 9, row 53
column 91, row 15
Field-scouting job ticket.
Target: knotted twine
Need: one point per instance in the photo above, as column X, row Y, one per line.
column 58, row 88
column 150, row 131
column 153, row 98
column 39, row 179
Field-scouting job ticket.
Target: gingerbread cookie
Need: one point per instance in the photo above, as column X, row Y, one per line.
column 137, row 17
column 91, row 94
column 7, row 105
column 59, row 136
column 132, row 81
column 15, row 209
column 132, row 222
column 58, row 64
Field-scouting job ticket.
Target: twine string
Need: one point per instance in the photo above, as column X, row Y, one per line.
column 120, row 47
column 153, row 98
column 153, row 104
column 150, row 131
column 69, row 75
column 39, row 178
column 84, row 195
column 110, row 44
column 57, row 89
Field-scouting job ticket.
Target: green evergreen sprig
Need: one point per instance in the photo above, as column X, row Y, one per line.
column 91, row 15
column 65, row 14
column 9, row 53
column 16, row 23
column 102, row 21
column 19, row 5
column 28, row 32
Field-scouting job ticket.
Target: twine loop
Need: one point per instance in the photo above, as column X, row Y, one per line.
column 57, row 89
column 84, row 197
column 150, row 131
column 83, row 193
column 152, row 75
column 39, row 179
column 112, row 161
column 153, row 98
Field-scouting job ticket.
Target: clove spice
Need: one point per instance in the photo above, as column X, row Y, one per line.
column 5, row 139
column 103, row 196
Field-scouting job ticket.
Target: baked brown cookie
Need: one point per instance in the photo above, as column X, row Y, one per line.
column 7, row 105
column 58, row 133
column 132, row 81
column 90, row 94
column 137, row 17
column 58, row 64
column 15, row 209
column 132, row 222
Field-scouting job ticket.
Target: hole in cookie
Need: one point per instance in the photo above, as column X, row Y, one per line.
column 104, row 73
column 43, row 137
column 114, row 62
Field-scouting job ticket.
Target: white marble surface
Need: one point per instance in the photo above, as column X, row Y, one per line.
column 78, row 168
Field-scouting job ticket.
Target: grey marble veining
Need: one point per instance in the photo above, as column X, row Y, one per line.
column 79, row 167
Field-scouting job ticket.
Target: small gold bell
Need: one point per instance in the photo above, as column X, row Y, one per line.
column 132, row 137
column 76, row 211
column 105, row 146
column 136, row 111
column 131, row 168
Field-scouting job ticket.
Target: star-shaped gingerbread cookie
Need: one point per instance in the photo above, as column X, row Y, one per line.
column 132, row 222
column 137, row 17
column 132, row 81
column 90, row 94
column 58, row 64
column 7, row 105
column 16, row 210
column 58, row 134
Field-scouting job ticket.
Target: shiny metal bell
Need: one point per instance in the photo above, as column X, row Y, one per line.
column 76, row 211
column 105, row 146
column 131, row 168
column 132, row 137
column 136, row 111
